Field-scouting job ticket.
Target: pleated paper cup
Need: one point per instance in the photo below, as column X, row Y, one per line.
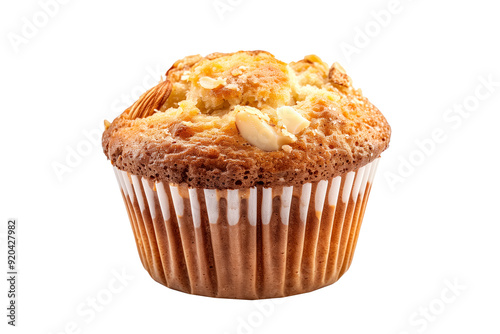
column 247, row 243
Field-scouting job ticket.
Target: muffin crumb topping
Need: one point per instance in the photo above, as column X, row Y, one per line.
column 218, row 116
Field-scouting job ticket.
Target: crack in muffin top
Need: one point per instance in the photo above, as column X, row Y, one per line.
column 246, row 119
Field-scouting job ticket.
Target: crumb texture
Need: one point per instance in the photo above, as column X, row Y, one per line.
column 310, row 124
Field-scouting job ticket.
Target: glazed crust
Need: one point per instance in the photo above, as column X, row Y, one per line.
column 192, row 137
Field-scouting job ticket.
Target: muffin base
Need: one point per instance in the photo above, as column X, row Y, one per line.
column 249, row 243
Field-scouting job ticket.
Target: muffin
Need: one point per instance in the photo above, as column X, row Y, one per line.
column 247, row 177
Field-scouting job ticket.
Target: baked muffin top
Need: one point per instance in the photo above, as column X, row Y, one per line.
column 245, row 119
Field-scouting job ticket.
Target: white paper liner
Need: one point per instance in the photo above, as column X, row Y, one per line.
column 247, row 243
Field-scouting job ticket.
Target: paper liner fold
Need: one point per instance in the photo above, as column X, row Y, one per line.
column 247, row 243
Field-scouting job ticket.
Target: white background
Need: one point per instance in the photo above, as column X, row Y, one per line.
column 432, row 220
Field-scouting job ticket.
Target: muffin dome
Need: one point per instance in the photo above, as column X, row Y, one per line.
column 246, row 119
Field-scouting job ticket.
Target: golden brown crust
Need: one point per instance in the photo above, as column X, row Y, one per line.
column 194, row 139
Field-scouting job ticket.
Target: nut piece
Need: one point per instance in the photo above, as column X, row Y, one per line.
column 337, row 76
column 150, row 101
column 237, row 71
column 287, row 148
column 233, row 87
column 292, row 119
column 254, row 127
column 211, row 83
column 315, row 59
column 185, row 75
